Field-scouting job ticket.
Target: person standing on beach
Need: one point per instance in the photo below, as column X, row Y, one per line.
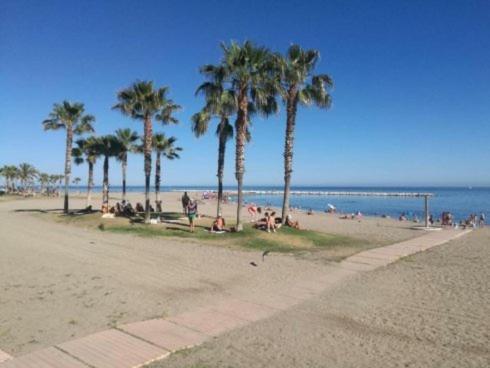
column 481, row 223
column 185, row 202
column 192, row 213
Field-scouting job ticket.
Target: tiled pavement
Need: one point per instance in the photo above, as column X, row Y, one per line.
column 136, row 344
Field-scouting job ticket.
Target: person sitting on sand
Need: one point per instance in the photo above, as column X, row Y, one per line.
column 191, row 213
column 139, row 207
column 218, row 224
column 129, row 210
column 261, row 224
column 291, row 223
column 402, row 217
column 119, row 209
column 310, row 212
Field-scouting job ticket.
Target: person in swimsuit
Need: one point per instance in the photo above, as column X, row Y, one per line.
column 218, row 224
column 252, row 210
column 192, row 213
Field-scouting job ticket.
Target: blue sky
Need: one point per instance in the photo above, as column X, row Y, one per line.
column 411, row 98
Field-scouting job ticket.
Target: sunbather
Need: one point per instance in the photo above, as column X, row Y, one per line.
column 291, row 223
column 218, row 224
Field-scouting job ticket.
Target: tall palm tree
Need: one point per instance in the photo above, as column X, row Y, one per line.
column 26, row 173
column 220, row 104
column 107, row 146
column 127, row 139
column 248, row 71
column 72, row 118
column 142, row 101
column 299, row 86
column 87, row 151
column 165, row 147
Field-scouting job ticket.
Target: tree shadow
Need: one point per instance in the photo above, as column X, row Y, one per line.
column 38, row 210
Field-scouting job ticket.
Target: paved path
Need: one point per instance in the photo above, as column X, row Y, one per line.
column 136, row 344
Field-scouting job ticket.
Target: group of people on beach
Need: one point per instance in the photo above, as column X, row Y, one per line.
column 473, row 221
column 125, row 209
column 269, row 222
column 447, row 220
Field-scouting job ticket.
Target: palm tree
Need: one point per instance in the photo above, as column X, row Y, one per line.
column 44, row 181
column 4, row 173
column 166, row 147
column 249, row 72
column 127, row 139
column 299, row 86
column 220, row 104
column 86, row 151
column 72, row 118
column 76, row 181
column 26, row 173
column 142, row 101
column 107, row 146
column 10, row 173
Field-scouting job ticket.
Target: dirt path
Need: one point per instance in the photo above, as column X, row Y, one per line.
column 428, row 310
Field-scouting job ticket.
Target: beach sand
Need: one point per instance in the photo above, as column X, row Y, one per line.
column 58, row 282
column 428, row 310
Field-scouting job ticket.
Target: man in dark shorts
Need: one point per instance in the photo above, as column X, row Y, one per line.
column 185, row 202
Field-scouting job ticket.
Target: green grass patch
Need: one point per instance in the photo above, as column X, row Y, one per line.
column 174, row 226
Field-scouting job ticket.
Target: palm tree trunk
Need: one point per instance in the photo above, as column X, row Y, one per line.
column 105, row 185
column 148, row 136
column 124, row 166
column 90, row 183
column 241, row 122
column 69, row 140
column 288, row 152
column 221, row 168
column 158, row 203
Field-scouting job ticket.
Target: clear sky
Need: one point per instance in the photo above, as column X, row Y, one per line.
column 411, row 98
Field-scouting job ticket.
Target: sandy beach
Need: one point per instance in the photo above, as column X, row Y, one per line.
column 428, row 310
column 59, row 282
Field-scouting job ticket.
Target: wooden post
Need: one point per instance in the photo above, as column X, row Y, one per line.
column 426, row 202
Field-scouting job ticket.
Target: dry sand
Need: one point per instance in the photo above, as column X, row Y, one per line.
column 58, row 282
column 428, row 310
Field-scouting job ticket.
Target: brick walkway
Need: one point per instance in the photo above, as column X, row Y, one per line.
column 136, row 344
